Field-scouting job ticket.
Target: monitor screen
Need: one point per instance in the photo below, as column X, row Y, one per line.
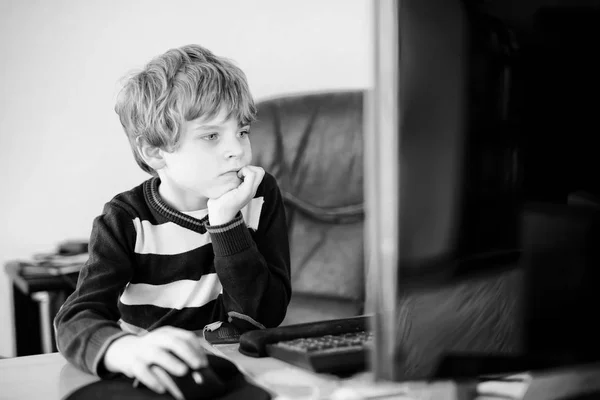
column 458, row 277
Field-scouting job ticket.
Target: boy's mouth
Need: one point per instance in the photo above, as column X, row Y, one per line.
column 233, row 173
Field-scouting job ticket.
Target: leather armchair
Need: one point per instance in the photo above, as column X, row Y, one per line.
column 313, row 144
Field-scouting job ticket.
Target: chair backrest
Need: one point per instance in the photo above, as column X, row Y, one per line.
column 313, row 144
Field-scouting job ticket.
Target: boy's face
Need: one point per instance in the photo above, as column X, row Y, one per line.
column 205, row 164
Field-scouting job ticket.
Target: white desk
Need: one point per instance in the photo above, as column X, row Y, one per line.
column 45, row 376
column 51, row 377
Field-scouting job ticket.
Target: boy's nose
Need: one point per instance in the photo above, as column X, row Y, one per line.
column 234, row 148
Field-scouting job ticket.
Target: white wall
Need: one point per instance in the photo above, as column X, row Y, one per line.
column 62, row 151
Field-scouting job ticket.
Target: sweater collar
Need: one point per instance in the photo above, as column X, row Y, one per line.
column 157, row 203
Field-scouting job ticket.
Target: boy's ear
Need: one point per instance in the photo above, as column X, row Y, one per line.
column 153, row 156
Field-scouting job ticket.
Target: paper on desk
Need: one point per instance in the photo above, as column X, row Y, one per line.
column 290, row 383
column 508, row 387
column 52, row 264
column 294, row 384
column 379, row 391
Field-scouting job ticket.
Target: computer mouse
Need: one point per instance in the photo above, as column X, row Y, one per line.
column 221, row 380
column 214, row 380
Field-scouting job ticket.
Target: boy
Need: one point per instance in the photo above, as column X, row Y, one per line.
column 203, row 240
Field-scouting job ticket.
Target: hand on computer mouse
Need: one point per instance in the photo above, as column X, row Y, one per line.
column 173, row 350
column 213, row 380
column 167, row 381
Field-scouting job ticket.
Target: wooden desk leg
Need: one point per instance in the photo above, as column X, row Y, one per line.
column 43, row 300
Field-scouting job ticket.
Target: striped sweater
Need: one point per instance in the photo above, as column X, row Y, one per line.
column 151, row 265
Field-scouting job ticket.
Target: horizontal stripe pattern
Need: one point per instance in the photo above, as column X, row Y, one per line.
column 169, row 238
column 148, row 316
column 166, row 239
column 175, row 279
column 160, row 269
column 121, row 250
column 178, row 294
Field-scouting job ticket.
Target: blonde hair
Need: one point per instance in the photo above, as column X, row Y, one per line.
column 180, row 85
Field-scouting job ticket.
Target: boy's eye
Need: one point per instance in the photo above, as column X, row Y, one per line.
column 211, row 136
column 244, row 132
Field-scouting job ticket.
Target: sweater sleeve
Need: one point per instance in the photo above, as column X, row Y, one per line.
column 86, row 323
column 254, row 269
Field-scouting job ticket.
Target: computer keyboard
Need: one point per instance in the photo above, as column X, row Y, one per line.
column 338, row 346
column 342, row 347
column 341, row 353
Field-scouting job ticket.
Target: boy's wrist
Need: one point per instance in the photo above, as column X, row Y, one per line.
column 231, row 237
column 220, row 217
column 114, row 353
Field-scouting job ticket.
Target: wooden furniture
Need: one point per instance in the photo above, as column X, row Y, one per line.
column 36, row 298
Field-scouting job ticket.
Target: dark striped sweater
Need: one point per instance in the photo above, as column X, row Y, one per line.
column 151, row 265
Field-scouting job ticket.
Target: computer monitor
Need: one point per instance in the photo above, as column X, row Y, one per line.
column 456, row 270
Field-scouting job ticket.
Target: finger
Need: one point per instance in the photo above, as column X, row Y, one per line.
column 168, row 383
column 260, row 171
column 252, row 170
column 189, row 350
column 200, row 350
column 252, row 176
column 185, row 345
column 258, row 177
column 248, row 177
column 145, row 376
column 254, row 179
column 244, row 172
column 169, row 362
column 205, row 346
